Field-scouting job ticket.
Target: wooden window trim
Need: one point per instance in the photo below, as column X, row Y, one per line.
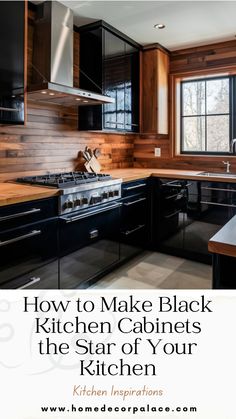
column 174, row 82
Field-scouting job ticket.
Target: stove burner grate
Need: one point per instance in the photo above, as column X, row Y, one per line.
column 63, row 180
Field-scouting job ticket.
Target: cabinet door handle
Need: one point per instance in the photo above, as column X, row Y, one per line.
column 140, row 185
column 32, row 281
column 172, row 214
column 128, row 232
column 176, row 185
column 20, row 214
column 19, row 238
column 217, row 189
column 127, row 204
column 218, row 204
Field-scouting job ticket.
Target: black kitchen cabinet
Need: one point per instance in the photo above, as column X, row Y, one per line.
column 135, row 218
column 187, row 213
column 89, row 245
column 29, row 245
column 169, row 209
column 210, row 205
column 12, row 28
column 109, row 64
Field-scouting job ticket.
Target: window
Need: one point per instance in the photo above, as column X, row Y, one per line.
column 207, row 115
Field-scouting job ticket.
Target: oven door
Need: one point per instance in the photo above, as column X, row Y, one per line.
column 89, row 245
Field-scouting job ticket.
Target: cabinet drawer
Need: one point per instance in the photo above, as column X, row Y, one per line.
column 27, row 248
column 134, row 211
column 13, row 216
column 133, row 188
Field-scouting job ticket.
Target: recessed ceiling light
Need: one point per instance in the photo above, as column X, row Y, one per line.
column 85, row 101
column 77, row 98
column 43, row 92
column 51, row 94
column 159, row 26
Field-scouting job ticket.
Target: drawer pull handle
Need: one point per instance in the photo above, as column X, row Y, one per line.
column 32, row 281
column 140, row 185
column 128, row 232
column 218, row 204
column 172, row 214
column 217, row 189
column 20, row 214
column 93, row 234
column 19, row 238
column 127, row 204
column 176, row 185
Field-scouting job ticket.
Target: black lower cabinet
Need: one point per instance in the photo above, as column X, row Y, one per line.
column 29, row 245
column 89, row 245
column 29, row 256
column 210, row 205
column 169, row 209
column 135, row 218
column 187, row 213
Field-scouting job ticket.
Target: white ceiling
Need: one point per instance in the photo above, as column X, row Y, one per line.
column 188, row 23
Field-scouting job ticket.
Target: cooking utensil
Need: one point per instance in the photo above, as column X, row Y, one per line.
column 97, row 152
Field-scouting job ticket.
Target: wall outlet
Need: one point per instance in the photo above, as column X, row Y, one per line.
column 157, row 152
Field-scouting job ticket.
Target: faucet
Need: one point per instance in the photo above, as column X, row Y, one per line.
column 227, row 164
column 233, row 145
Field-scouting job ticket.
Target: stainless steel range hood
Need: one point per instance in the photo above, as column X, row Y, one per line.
column 52, row 64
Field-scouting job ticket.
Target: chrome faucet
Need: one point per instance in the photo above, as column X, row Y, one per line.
column 233, row 146
column 227, row 165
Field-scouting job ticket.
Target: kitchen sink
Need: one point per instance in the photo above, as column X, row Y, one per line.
column 231, row 175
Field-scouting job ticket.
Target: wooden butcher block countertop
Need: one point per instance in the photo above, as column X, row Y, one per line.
column 12, row 193
column 224, row 241
column 135, row 173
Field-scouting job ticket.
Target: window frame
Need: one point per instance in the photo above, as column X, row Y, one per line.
column 232, row 114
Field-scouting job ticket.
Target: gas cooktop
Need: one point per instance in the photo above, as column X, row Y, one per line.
column 63, row 180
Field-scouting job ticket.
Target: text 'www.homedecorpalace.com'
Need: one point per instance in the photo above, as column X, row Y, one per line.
column 116, row 409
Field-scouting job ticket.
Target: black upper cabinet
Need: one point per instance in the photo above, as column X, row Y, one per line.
column 12, row 62
column 109, row 64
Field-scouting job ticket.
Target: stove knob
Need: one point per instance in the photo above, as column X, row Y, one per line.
column 93, row 200
column 84, row 201
column 111, row 194
column 77, row 202
column 116, row 192
column 105, row 195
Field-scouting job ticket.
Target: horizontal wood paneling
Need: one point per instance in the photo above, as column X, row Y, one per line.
column 50, row 142
column 203, row 58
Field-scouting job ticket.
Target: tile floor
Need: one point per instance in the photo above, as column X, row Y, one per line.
column 157, row 270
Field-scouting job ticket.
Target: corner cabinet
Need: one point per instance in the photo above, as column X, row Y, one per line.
column 154, row 82
column 12, row 32
column 109, row 64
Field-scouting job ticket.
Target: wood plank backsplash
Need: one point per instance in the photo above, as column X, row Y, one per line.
column 50, row 141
